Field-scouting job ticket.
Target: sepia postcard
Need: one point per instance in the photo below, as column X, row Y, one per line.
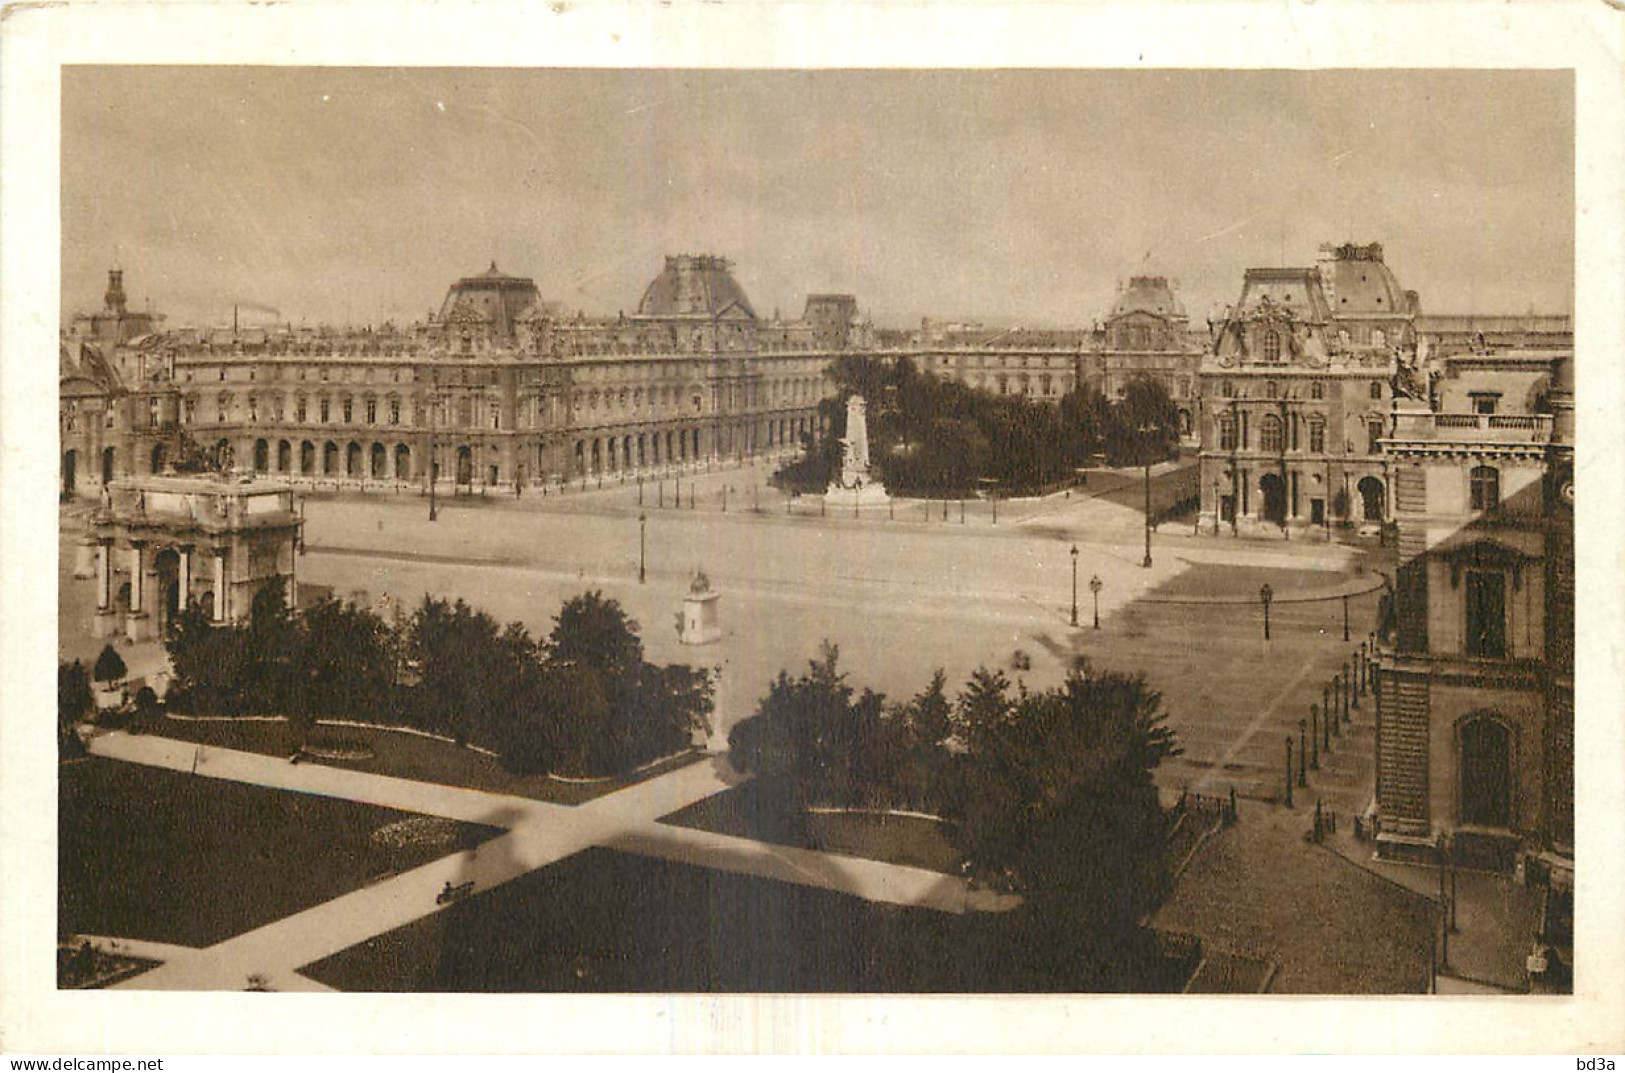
column 746, row 527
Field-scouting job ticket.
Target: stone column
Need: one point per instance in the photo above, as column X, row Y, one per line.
column 137, row 562
column 84, row 557
column 183, row 577
column 220, row 586
column 138, row 623
column 105, row 623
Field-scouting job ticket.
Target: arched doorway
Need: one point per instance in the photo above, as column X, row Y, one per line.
column 1370, row 489
column 1274, row 492
column 1184, row 422
column 70, row 472
column 262, row 456
column 108, row 459
column 465, row 465
column 167, row 566
column 403, row 462
column 159, row 456
column 1485, row 772
column 224, row 456
column 284, row 456
column 307, row 458
column 330, row 458
column 379, row 457
column 352, row 460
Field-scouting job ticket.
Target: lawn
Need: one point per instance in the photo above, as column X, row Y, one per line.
column 908, row 840
column 1216, row 579
column 408, row 756
column 603, row 921
column 146, row 853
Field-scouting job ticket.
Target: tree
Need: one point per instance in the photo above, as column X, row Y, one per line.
column 1058, row 801
column 109, row 666
column 74, row 701
column 595, row 632
column 1145, row 424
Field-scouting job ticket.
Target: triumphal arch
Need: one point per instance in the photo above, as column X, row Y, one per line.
column 161, row 541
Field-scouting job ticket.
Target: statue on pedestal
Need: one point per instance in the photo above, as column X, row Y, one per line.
column 856, row 484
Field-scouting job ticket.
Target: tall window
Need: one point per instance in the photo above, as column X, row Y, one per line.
column 349, row 409
column 1269, row 433
column 1227, row 432
column 1484, row 487
column 372, row 411
column 327, row 409
column 1486, row 614
column 152, row 413
column 1272, row 345
column 1376, row 389
column 394, row 411
column 1317, row 390
column 1317, row 433
column 1227, row 388
column 299, row 409
column 1269, row 389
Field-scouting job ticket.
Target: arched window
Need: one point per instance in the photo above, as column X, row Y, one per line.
column 1227, row 432
column 1317, row 433
column 1269, row 389
column 1271, row 345
column 1269, row 433
column 1484, row 487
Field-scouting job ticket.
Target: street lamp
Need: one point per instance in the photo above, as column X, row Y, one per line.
column 1147, row 431
column 1074, row 586
column 1265, row 595
column 1095, row 585
column 643, row 527
column 1289, row 771
column 1303, row 750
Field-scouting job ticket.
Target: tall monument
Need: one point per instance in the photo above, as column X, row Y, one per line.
column 856, row 485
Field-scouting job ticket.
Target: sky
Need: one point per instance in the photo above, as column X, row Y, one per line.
column 359, row 195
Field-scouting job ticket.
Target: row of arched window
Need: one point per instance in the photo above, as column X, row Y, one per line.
column 1271, row 389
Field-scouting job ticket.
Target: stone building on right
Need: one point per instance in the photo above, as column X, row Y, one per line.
column 1475, row 670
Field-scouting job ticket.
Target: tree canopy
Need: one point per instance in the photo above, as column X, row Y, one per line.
column 583, row 702
column 1047, row 793
column 935, row 437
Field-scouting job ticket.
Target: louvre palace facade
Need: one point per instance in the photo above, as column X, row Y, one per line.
column 498, row 389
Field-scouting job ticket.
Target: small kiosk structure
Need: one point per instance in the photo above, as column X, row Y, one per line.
column 701, row 624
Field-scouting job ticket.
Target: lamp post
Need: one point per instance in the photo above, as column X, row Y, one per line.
column 1314, row 736
column 1095, row 585
column 1345, row 616
column 434, row 462
column 1146, row 431
column 1074, row 586
column 1289, row 771
column 1303, row 751
column 1265, row 595
column 643, row 528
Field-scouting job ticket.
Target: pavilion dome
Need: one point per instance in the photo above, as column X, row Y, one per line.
column 694, row 285
column 1149, row 294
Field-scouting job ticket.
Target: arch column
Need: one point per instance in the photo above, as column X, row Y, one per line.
column 138, row 623
column 220, row 586
column 105, row 623
column 183, row 576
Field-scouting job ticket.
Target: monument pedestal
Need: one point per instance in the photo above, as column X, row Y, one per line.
column 866, row 496
column 702, row 625
column 84, row 559
column 104, row 625
column 138, row 627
